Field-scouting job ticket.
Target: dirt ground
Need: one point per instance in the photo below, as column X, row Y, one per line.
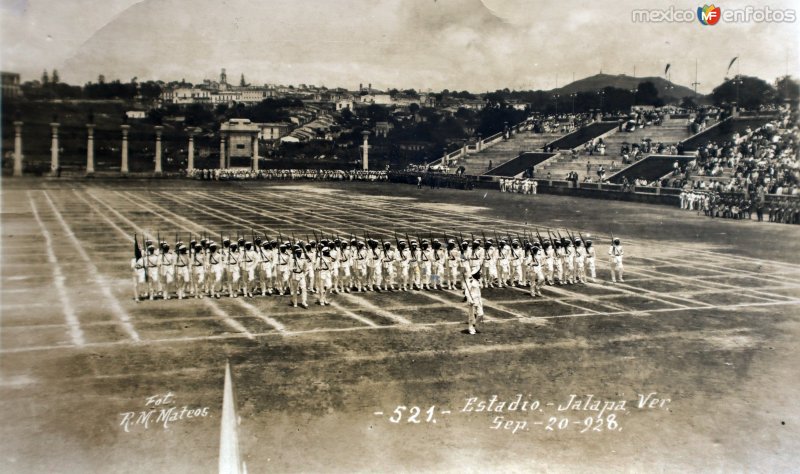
column 690, row 365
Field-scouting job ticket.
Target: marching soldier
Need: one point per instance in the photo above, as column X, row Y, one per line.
column 549, row 260
column 516, row 258
column 334, row 254
column 472, row 291
column 299, row 271
column 426, row 255
column 283, row 269
column 414, row 266
column 569, row 260
column 534, row 262
column 504, row 263
column 233, row 269
column 490, row 264
column 616, row 252
column 403, row 262
column 345, row 267
column 181, row 271
column 311, row 254
column 580, row 261
column 453, row 259
column 154, row 276
column 374, row 266
column 325, row 271
column 559, row 261
column 166, row 267
column 265, row 268
column 388, row 261
column 198, row 269
column 216, row 270
column 590, row 260
column 361, row 269
column 250, row 266
column 437, row 266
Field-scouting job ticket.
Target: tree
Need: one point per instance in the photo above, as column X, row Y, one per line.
column 647, row 94
column 45, row 79
column 688, row 103
column 55, row 76
column 788, row 89
column 242, row 81
column 413, row 108
column 751, row 92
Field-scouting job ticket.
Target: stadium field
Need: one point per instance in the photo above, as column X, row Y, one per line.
column 690, row 364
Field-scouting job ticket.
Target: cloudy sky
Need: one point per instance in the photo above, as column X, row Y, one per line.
column 477, row 45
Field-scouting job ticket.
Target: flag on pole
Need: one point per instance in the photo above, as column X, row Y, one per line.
column 731, row 64
column 666, row 69
column 137, row 252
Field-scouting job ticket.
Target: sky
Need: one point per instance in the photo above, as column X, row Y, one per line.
column 477, row 45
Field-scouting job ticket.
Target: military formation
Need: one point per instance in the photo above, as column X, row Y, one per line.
column 327, row 266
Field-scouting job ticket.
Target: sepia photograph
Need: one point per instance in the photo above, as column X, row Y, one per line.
column 435, row 236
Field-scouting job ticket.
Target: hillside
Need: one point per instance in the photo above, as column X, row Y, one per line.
column 621, row 81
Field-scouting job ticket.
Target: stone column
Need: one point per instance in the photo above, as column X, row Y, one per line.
column 222, row 150
column 124, row 165
column 90, row 149
column 480, row 143
column 365, row 160
column 190, row 158
column 159, row 129
column 54, row 148
column 17, row 148
column 254, row 142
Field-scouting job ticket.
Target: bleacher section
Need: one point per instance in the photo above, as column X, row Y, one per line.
column 478, row 163
column 723, row 131
column 518, row 165
column 670, row 132
column 582, row 135
column 650, row 168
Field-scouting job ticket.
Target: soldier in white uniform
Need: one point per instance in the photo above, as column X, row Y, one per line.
column 616, row 252
column 233, row 269
column 437, row 265
column 569, row 260
column 166, row 268
column 425, row 264
column 374, row 264
column 335, row 263
column 388, row 263
column 452, row 266
column 216, row 270
column 590, row 260
column 298, row 268
column 283, row 270
column 345, row 267
column 403, row 264
column 266, row 268
column 414, row 266
column 311, row 253
column 559, row 261
column 198, row 269
column 490, row 265
column 181, row 271
column 504, row 263
column 360, row 263
column 250, row 264
column 516, row 257
column 580, row 261
column 472, row 291
column 549, row 261
column 325, row 271
column 534, row 261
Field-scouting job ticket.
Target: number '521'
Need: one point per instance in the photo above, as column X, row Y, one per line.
column 412, row 414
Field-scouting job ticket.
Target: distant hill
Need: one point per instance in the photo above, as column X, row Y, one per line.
column 621, row 81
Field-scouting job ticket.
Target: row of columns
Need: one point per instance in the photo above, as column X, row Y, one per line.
column 124, row 169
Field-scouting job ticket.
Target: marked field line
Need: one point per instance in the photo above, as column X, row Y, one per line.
column 71, row 318
column 637, row 313
column 102, row 282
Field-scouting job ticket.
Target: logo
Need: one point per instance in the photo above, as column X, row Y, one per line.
column 708, row 14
